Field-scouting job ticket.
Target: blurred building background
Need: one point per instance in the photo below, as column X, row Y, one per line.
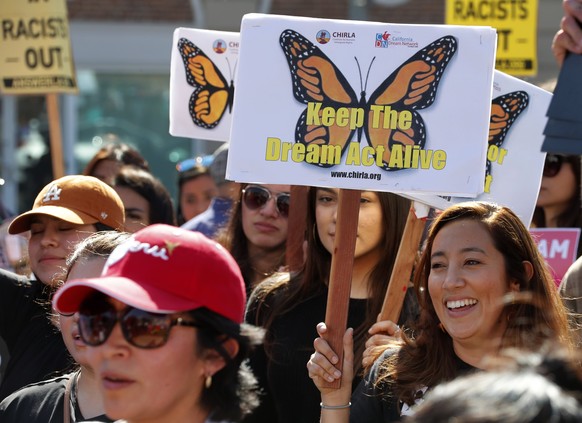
column 122, row 51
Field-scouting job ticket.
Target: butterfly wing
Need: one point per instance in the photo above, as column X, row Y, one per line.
column 505, row 110
column 212, row 94
column 411, row 87
column 316, row 79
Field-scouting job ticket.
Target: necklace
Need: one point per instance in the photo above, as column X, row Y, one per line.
column 258, row 272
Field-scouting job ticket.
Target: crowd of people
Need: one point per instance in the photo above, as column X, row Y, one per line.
column 139, row 308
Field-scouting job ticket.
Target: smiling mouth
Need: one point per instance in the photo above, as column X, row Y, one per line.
column 461, row 304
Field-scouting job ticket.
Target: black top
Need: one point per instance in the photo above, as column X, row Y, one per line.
column 374, row 403
column 289, row 394
column 34, row 345
column 43, row 402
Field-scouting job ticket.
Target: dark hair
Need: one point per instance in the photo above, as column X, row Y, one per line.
column 119, row 152
column 534, row 388
column 150, row 188
column 571, row 217
column 430, row 359
column 233, row 393
column 233, row 238
column 185, row 176
column 282, row 292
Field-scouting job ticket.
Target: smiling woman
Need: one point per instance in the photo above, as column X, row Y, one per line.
column 479, row 283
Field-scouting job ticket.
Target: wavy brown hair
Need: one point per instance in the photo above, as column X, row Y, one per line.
column 535, row 314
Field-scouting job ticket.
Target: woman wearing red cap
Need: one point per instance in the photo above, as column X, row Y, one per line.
column 166, row 343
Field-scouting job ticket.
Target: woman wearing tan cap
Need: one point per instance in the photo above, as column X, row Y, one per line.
column 65, row 212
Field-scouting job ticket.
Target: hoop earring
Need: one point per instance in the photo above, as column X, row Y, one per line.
column 208, row 382
column 314, row 231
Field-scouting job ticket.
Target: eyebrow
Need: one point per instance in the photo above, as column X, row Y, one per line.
column 134, row 209
column 330, row 190
column 463, row 250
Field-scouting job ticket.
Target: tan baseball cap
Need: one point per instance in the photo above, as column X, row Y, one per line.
column 78, row 199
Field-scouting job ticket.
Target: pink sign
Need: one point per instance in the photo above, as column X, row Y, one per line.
column 559, row 247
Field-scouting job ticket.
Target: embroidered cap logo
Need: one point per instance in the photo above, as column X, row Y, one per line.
column 132, row 246
column 53, row 194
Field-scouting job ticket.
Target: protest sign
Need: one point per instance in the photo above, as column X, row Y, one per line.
column 420, row 123
column 202, row 71
column 516, row 24
column 559, row 248
column 514, row 160
column 36, row 56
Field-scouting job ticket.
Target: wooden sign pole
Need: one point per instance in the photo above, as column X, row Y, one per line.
column 340, row 279
column 296, row 227
column 402, row 269
column 52, row 106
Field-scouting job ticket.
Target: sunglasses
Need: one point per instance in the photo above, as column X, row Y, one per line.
column 553, row 165
column 142, row 329
column 255, row 197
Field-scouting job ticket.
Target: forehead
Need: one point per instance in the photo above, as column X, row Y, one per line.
column 461, row 234
column 276, row 188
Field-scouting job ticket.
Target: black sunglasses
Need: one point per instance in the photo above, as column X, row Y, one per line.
column 256, row 197
column 142, row 329
column 553, row 165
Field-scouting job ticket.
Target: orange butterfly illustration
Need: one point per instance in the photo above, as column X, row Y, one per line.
column 412, row 86
column 505, row 109
column 212, row 94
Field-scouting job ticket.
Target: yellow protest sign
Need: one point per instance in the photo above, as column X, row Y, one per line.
column 35, row 53
column 516, row 25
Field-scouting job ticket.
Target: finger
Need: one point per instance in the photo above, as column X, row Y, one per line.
column 573, row 8
column 378, row 340
column 572, row 27
column 384, row 327
column 321, row 346
column 319, row 367
column 348, row 367
column 321, row 328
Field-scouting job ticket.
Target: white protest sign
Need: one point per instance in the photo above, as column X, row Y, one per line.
column 362, row 105
column 514, row 159
column 202, row 69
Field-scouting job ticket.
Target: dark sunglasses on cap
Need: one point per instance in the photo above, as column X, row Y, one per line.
column 255, row 197
column 553, row 165
column 142, row 329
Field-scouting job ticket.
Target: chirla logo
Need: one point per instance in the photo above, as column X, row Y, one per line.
column 323, row 37
column 53, row 194
column 219, row 46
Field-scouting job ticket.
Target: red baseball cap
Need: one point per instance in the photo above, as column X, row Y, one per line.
column 165, row 269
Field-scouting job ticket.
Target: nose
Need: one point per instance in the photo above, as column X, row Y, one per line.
column 49, row 238
column 116, row 344
column 453, row 277
column 270, row 208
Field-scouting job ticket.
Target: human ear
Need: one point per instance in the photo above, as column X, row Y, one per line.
column 528, row 272
column 215, row 361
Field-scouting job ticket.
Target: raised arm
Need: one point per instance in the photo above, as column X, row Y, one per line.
column 569, row 37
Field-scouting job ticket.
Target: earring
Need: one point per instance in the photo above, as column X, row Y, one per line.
column 442, row 327
column 314, row 229
column 208, row 382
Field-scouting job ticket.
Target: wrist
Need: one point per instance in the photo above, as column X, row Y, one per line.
column 345, row 406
